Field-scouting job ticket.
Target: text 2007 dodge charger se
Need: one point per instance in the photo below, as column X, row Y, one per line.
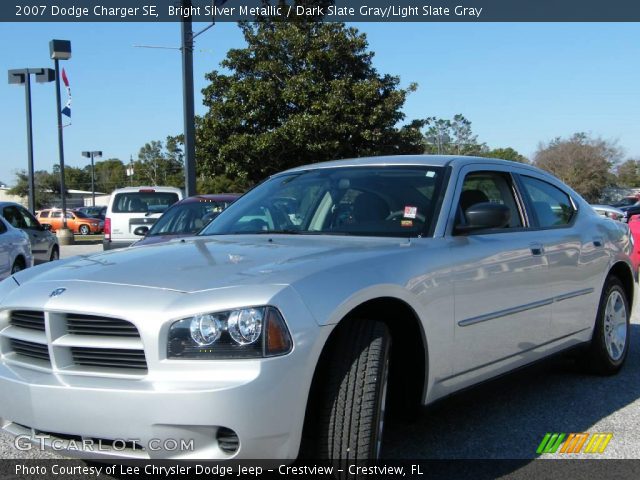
column 322, row 298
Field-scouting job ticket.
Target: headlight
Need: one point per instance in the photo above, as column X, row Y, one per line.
column 253, row 332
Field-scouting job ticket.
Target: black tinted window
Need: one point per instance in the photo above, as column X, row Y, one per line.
column 375, row 201
column 143, row 202
column 552, row 206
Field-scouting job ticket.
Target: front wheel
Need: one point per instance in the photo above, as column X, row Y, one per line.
column 610, row 342
column 18, row 265
column 351, row 405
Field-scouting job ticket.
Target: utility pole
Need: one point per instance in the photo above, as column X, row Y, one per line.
column 188, row 103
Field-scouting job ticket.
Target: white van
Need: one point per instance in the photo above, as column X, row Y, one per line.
column 133, row 207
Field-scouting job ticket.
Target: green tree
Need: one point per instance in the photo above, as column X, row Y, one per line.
column 159, row 165
column 451, row 137
column 109, row 175
column 299, row 93
column 580, row 161
column 505, row 154
column 47, row 187
column 628, row 174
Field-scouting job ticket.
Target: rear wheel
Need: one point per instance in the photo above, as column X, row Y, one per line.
column 610, row 342
column 84, row 230
column 350, row 405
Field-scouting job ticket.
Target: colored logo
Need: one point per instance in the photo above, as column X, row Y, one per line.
column 574, row 443
column 57, row 292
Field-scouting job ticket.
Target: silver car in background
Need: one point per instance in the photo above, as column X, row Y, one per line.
column 44, row 244
column 320, row 301
column 15, row 250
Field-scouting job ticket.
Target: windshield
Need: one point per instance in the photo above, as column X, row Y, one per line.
column 373, row 201
column 188, row 217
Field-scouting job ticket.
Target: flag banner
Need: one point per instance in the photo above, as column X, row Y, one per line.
column 66, row 110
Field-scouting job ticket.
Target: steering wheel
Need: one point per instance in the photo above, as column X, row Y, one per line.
column 400, row 214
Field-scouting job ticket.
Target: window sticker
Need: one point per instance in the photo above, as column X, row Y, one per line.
column 410, row 212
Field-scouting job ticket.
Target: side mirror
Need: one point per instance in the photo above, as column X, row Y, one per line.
column 485, row 215
column 46, row 226
column 141, row 231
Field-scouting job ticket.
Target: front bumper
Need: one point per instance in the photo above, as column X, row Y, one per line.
column 80, row 417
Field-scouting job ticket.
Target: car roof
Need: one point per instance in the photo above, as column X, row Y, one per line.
column 415, row 160
column 149, row 188
column 214, row 197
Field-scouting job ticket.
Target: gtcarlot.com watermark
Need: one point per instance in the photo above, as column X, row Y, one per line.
column 42, row 442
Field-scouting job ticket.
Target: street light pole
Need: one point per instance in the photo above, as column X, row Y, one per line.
column 61, row 50
column 93, row 187
column 21, row 76
column 188, row 102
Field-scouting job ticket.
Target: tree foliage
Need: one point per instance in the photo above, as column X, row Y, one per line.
column 628, row 174
column 159, row 164
column 47, row 187
column 580, row 161
column 451, row 137
column 299, row 93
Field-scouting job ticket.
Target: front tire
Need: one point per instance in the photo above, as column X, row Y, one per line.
column 352, row 398
column 18, row 265
column 55, row 254
column 610, row 342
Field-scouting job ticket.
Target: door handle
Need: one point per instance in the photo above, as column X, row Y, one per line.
column 536, row 249
column 597, row 242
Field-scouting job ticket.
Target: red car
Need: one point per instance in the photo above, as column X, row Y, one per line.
column 634, row 226
column 186, row 217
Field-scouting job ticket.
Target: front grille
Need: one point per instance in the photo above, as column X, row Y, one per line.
column 79, row 324
column 109, row 357
column 27, row 319
column 30, row 349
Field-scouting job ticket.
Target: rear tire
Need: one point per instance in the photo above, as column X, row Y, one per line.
column 348, row 413
column 609, row 345
column 84, row 230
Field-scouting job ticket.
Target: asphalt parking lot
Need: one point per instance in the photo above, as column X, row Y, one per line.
column 505, row 418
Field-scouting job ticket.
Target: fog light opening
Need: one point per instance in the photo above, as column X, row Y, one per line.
column 228, row 440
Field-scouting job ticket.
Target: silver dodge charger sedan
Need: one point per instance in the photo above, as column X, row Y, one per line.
column 326, row 297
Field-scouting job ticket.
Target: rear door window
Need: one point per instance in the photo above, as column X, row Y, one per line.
column 553, row 207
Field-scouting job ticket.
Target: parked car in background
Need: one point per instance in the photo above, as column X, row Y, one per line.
column 44, row 244
column 93, row 212
column 610, row 212
column 186, row 217
column 77, row 222
column 634, row 227
column 15, row 249
column 627, row 201
column 289, row 327
column 133, row 207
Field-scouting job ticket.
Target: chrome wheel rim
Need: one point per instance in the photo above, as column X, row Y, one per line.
column 383, row 403
column 615, row 325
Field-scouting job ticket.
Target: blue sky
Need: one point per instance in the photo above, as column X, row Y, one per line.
column 519, row 83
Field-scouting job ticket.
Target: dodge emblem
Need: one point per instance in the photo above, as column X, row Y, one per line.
column 57, row 292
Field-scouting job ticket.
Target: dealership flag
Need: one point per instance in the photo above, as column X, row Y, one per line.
column 67, row 106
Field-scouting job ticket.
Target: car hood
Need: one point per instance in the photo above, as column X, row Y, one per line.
column 203, row 263
column 152, row 240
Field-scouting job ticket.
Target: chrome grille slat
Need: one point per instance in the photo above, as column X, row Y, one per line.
column 32, row 320
column 103, row 357
column 30, row 349
column 79, row 324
